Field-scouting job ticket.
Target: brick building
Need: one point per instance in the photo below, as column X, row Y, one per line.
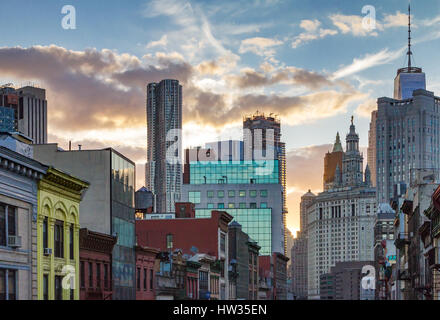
column 95, row 254
column 273, row 274
column 243, row 257
column 145, row 276
column 190, row 235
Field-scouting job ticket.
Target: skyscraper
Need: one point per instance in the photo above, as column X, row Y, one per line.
column 163, row 170
column 235, row 186
column 409, row 78
column 340, row 219
column 371, row 151
column 257, row 133
column 407, row 131
column 24, row 110
column 299, row 249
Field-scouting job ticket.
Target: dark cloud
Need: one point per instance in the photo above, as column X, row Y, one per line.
column 90, row 89
column 101, row 89
column 250, row 78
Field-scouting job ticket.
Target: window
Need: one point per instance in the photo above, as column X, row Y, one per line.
column 72, row 257
column 2, row 225
column 253, row 205
column 220, row 205
column 222, row 243
column 210, row 194
column 231, row 193
column 231, row 205
column 11, row 221
column 145, row 279
column 194, row 197
column 2, row 284
column 46, row 287
column 169, row 241
column 210, row 206
column 82, row 275
column 203, row 281
column 8, row 225
column 253, row 193
column 242, row 193
column 220, row 194
column 242, row 205
column 106, row 284
column 98, row 275
column 151, row 280
column 90, row 275
column 45, row 233
column 12, row 285
column 138, row 279
column 263, row 193
column 8, row 276
column 59, row 239
column 58, row 288
column 263, row 205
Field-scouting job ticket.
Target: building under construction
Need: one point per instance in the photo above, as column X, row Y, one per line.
column 252, row 137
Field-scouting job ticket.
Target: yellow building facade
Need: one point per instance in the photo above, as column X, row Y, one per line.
column 59, row 196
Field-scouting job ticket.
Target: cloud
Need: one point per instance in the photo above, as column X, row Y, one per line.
column 98, row 90
column 368, row 61
column 305, row 169
column 163, row 41
column 90, row 89
column 396, row 20
column 353, row 24
column 250, row 78
column 294, row 109
column 312, row 32
column 365, row 108
column 193, row 38
column 259, row 45
column 431, row 22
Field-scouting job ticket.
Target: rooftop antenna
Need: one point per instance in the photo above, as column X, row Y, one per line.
column 409, row 36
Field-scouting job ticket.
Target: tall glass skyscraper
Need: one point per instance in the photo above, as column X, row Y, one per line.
column 163, row 169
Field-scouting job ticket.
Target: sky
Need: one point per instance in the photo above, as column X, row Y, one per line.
column 314, row 63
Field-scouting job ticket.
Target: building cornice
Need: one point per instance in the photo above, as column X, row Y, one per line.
column 19, row 164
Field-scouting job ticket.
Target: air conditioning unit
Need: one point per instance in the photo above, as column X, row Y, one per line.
column 47, row 251
column 14, row 241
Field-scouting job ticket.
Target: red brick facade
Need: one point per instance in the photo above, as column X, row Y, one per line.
column 145, row 273
column 95, row 253
column 184, row 234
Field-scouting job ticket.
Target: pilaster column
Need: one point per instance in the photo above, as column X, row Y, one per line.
column 51, row 244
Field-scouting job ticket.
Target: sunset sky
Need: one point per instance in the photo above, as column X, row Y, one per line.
column 311, row 62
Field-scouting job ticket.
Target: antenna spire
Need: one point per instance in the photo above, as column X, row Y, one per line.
column 409, row 37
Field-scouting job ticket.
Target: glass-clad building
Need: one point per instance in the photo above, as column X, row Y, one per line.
column 123, row 225
column 7, row 119
column 257, row 222
column 249, row 190
column 234, row 172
